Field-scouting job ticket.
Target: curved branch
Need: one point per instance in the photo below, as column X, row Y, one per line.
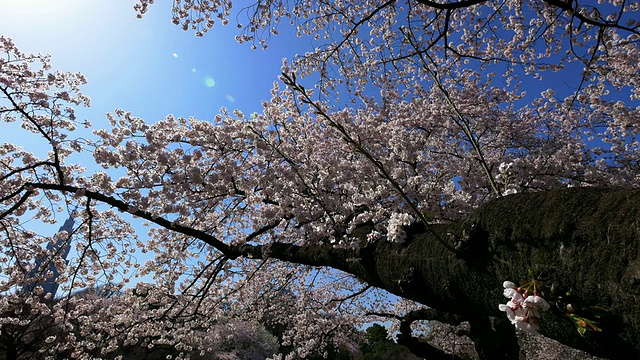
column 357, row 24
column 23, row 112
column 124, row 207
column 563, row 5
column 290, row 81
column 596, row 230
column 575, row 12
column 417, row 347
column 21, row 201
column 421, row 348
column 458, row 118
column 451, row 5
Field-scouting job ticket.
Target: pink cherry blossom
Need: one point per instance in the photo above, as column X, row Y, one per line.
column 401, row 114
column 534, row 304
column 523, row 310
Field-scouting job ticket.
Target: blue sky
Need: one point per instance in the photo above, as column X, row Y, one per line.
column 147, row 66
column 151, row 67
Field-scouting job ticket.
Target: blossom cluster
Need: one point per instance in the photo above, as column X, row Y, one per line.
column 523, row 309
column 505, row 176
column 308, row 167
column 395, row 233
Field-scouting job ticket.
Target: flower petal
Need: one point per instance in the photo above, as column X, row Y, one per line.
column 511, row 315
column 536, row 301
column 526, row 327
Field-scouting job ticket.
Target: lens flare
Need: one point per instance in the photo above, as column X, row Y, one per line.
column 209, row 81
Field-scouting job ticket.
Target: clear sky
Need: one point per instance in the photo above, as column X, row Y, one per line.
column 151, row 67
column 147, row 66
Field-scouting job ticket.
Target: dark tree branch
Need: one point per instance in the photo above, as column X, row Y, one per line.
column 421, row 348
column 124, row 207
column 417, row 347
column 583, row 239
column 20, row 201
column 450, row 5
column 575, row 12
column 569, row 6
column 493, row 338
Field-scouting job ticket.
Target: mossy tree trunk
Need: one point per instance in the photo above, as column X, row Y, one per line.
column 581, row 241
column 578, row 241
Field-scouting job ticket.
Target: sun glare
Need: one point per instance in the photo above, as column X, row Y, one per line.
column 47, row 11
column 39, row 17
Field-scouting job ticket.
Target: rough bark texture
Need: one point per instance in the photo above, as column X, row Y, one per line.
column 583, row 240
column 580, row 240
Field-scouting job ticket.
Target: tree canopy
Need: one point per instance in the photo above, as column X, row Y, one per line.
column 419, row 149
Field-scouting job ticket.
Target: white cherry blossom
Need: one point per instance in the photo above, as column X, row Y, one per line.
column 523, row 310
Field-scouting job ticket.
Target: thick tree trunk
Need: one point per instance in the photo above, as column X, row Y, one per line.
column 583, row 240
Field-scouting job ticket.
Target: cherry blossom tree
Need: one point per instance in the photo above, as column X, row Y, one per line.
column 402, row 155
